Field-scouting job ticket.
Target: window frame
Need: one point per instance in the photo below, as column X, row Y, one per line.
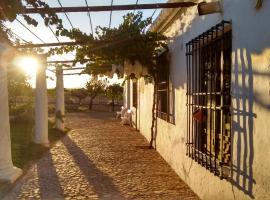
column 135, row 93
column 163, row 89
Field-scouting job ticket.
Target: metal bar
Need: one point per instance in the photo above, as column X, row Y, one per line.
column 154, row 12
column 204, row 90
column 30, row 31
column 193, row 102
column 101, row 44
column 197, row 144
column 221, row 99
column 15, row 34
column 109, row 8
column 168, row 92
column 190, row 99
column 137, row 1
column 187, row 99
column 201, row 125
column 196, row 99
column 205, row 93
column 66, row 15
column 74, row 68
column 53, row 33
column 215, row 71
column 208, row 107
column 64, row 61
column 55, row 37
column 111, row 15
column 162, row 90
column 210, row 110
column 47, row 44
column 51, row 70
column 201, row 89
column 90, row 19
column 74, row 74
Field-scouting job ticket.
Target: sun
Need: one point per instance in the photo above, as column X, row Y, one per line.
column 28, row 64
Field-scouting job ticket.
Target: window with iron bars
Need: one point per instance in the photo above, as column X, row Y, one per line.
column 209, row 99
column 164, row 103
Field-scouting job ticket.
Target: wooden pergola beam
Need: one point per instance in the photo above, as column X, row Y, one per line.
column 110, row 8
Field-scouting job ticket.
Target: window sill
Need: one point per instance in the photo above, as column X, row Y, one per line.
column 173, row 123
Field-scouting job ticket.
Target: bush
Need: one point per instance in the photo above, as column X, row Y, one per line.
column 20, row 109
column 51, row 109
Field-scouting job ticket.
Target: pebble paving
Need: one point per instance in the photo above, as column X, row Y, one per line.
column 100, row 159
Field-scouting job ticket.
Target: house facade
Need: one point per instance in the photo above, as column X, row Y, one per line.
column 212, row 109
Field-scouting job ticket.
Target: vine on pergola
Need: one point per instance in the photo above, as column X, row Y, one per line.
column 131, row 42
column 9, row 9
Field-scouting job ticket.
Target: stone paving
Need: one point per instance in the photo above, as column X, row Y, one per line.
column 100, row 159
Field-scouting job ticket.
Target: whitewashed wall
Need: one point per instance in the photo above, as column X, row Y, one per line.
column 250, row 100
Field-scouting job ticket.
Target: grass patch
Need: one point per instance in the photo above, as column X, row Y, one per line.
column 24, row 151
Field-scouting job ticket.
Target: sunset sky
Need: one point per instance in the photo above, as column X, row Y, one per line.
column 78, row 20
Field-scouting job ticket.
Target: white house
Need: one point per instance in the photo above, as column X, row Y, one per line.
column 213, row 99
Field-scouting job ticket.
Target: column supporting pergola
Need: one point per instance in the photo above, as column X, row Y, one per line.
column 60, row 99
column 41, row 106
column 8, row 172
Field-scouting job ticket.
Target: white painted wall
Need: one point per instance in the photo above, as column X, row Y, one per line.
column 250, row 102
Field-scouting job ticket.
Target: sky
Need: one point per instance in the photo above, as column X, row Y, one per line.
column 78, row 20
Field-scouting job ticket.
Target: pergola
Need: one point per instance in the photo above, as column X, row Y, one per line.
column 7, row 170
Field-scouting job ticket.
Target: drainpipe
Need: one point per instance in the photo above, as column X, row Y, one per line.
column 8, row 172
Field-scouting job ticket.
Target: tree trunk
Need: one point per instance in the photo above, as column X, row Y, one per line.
column 15, row 102
column 90, row 104
column 112, row 104
column 153, row 116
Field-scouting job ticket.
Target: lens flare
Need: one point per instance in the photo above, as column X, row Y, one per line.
column 28, row 64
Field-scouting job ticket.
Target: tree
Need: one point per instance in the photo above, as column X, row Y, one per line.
column 114, row 92
column 80, row 93
column 93, row 88
column 17, row 85
column 131, row 41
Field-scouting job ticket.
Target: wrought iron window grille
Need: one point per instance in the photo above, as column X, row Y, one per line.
column 209, row 99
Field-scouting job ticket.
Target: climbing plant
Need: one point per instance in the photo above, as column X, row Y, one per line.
column 132, row 41
column 11, row 8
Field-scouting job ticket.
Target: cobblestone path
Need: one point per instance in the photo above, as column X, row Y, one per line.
column 100, row 159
